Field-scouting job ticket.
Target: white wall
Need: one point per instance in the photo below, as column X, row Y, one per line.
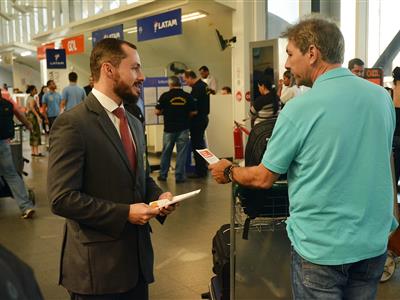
column 24, row 75
column 6, row 77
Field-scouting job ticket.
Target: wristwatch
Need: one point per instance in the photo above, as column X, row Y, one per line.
column 228, row 173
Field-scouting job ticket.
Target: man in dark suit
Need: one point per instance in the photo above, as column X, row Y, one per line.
column 99, row 181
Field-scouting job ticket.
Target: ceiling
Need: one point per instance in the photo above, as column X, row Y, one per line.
column 216, row 13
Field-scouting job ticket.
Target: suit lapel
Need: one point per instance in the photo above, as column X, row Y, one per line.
column 109, row 129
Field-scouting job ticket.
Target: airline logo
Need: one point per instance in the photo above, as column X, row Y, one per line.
column 165, row 24
column 158, row 26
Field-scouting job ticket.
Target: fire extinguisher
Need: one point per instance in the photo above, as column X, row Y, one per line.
column 238, row 141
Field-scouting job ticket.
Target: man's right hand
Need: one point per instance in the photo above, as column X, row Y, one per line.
column 141, row 213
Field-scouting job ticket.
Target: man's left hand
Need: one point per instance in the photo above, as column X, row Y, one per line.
column 217, row 170
column 164, row 211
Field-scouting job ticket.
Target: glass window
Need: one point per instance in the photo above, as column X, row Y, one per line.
column 383, row 25
column 114, row 4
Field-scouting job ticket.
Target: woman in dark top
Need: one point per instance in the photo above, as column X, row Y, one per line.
column 33, row 116
column 266, row 105
column 43, row 91
column 396, row 137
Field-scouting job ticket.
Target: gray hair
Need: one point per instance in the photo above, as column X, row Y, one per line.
column 323, row 34
column 174, row 81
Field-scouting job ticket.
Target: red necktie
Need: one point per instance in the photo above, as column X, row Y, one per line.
column 126, row 137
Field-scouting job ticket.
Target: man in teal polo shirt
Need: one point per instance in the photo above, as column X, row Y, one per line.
column 51, row 102
column 334, row 142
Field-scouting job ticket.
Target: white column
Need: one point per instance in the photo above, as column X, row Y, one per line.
column 50, row 15
column 348, row 28
column 248, row 25
column 361, row 46
column 304, row 7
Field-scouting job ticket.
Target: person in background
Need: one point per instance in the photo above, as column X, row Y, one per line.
column 396, row 137
column 88, row 88
column 99, row 181
column 33, row 115
column 73, row 94
column 8, row 171
column 267, row 104
column 208, row 79
column 339, row 169
column 356, row 66
column 51, row 103
column 198, row 123
column 287, row 90
column 43, row 91
column 177, row 107
column 4, row 92
column 226, row 90
column 45, row 123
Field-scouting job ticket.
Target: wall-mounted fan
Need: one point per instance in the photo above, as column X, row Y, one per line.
column 176, row 68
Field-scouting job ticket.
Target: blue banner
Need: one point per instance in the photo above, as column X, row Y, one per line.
column 155, row 81
column 158, row 26
column 116, row 32
column 56, row 59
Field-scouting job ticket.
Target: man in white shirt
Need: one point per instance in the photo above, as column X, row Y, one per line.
column 285, row 90
column 209, row 79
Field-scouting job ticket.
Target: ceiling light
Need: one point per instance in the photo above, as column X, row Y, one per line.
column 131, row 29
column 26, row 53
column 193, row 16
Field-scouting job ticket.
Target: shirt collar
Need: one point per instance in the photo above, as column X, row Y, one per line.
column 105, row 101
column 334, row 73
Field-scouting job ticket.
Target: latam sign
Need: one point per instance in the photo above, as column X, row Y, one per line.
column 158, row 26
column 116, row 32
column 56, row 59
column 74, row 45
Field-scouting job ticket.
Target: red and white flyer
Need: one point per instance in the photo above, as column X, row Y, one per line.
column 208, row 155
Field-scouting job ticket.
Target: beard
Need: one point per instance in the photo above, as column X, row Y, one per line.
column 124, row 91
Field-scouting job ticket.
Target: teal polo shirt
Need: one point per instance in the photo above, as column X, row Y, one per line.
column 53, row 101
column 335, row 143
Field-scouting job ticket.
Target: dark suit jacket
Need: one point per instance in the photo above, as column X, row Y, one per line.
column 91, row 184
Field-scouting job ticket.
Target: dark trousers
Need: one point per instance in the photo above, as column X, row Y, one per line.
column 197, row 128
column 51, row 121
column 396, row 157
column 139, row 292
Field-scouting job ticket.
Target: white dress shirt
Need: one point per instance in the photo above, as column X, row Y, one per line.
column 109, row 106
column 211, row 82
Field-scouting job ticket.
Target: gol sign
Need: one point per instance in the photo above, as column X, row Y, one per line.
column 74, row 45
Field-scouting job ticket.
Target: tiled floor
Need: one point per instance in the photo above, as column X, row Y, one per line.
column 182, row 246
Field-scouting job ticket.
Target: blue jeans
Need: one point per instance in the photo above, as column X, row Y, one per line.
column 13, row 179
column 181, row 139
column 351, row 281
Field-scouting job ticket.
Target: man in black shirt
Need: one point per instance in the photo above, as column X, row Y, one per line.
column 199, row 123
column 177, row 107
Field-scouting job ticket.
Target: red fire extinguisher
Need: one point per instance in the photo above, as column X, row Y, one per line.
column 238, row 141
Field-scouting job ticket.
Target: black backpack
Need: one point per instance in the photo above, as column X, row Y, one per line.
column 6, row 120
column 257, row 142
column 272, row 203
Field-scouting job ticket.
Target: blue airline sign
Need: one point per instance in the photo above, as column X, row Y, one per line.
column 56, row 59
column 158, row 26
column 116, row 32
